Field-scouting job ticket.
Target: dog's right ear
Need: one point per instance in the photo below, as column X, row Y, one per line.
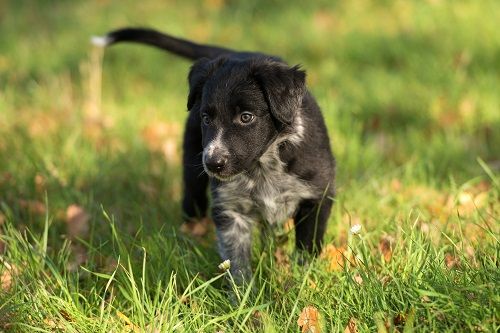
column 197, row 77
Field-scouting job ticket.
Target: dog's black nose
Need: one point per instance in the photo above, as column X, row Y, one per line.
column 216, row 163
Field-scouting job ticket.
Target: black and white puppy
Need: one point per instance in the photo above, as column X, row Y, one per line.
column 261, row 139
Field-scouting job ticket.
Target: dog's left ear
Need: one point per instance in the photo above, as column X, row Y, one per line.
column 284, row 88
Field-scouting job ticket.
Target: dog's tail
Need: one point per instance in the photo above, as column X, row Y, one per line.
column 178, row 46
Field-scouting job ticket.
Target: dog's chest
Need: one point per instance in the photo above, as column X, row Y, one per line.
column 268, row 193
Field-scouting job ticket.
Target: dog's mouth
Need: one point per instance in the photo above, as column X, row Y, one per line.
column 222, row 176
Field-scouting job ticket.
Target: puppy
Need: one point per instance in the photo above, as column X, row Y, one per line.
column 261, row 140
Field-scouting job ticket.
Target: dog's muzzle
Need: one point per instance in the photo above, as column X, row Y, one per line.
column 216, row 163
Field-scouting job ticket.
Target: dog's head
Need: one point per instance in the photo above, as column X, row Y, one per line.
column 243, row 106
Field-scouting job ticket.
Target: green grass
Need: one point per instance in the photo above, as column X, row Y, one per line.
column 409, row 90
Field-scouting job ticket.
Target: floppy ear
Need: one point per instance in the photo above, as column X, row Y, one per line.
column 196, row 78
column 284, row 88
column 199, row 74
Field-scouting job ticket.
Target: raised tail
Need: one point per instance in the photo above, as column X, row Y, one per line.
column 178, row 46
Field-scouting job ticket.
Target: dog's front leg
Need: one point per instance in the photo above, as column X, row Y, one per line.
column 234, row 235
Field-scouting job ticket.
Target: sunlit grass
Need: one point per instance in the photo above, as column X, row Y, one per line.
column 409, row 91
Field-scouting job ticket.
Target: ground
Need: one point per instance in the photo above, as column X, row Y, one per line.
column 90, row 172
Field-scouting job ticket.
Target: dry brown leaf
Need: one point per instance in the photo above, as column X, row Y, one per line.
column 351, row 327
column 214, row 4
column 282, row 259
column 385, row 279
column 129, row 327
column 40, row 183
column 334, row 256
column 399, row 319
column 467, row 202
column 313, row 285
column 324, row 20
column 396, row 185
column 162, row 137
column 358, row 279
column 95, row 126
column 289, row 225
column 77, row 221
column 196, row 227
column 148, row 189
column 309, row 320
column 451, row 261
column 33, row 206
column 53, row 324
column 425, row 299
column 170, row 151
column 42, row 124
column 7, row 275
column 385, row 247
column 79, row 256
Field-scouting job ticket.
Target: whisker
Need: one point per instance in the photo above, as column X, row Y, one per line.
column 197, row 165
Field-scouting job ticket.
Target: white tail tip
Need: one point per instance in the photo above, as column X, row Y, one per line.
column 100, row 41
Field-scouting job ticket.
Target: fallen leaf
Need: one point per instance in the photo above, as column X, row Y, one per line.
column 451, row 261
column 351, row 327
column 323, row 20
column 309, row 320
column 358, row 279
column 196, row 227
column 162, row 137
column 129, row 327
column 33, row 206
column 40, row 183
column 214, row 4
column 425, row 299
column 334, row 256
column 396, row 185
column 289, row 225
column 42, row 124
column 399, row 319
column 78, row 257
column 313, row 285
column 170, row 151
column 385, row 247
column 282, row 259
column 77, row 222
column 53, row 324
column 8, row 272
column 385, row 279
column 148, row 189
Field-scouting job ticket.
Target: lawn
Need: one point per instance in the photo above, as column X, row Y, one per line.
column 90, row 170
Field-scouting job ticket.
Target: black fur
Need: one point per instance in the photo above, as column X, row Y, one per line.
column 261, row 139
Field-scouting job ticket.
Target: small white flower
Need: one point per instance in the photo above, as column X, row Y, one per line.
column 225, row 265
column 356, row 229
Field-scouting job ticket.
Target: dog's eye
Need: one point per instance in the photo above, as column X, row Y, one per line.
column 205, row 118
column 246, row 117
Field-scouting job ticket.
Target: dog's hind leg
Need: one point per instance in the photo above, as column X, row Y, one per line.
column 310, row 224
column 195, row 201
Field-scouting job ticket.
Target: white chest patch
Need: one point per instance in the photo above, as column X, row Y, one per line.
column 268, row 192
